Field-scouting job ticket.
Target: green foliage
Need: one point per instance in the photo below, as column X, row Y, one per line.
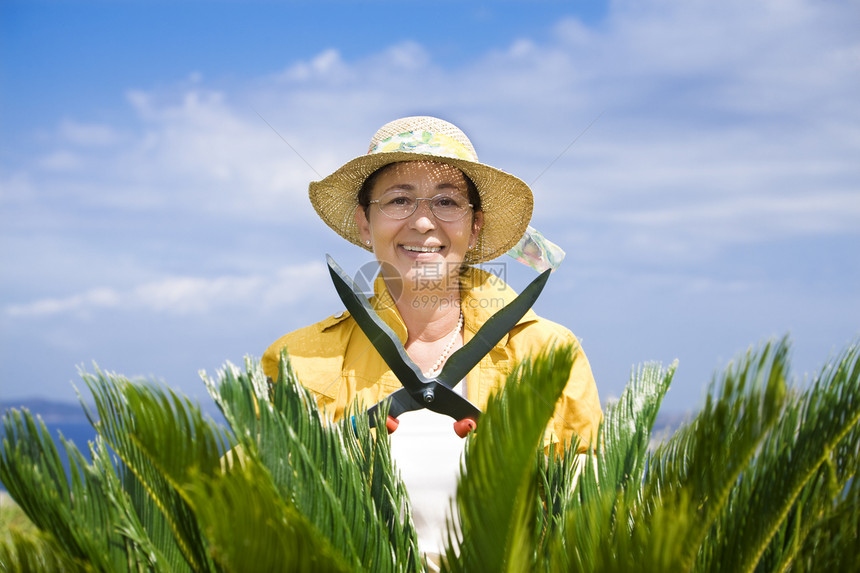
column 279, row 490
column 761, row 478
column 496, row 497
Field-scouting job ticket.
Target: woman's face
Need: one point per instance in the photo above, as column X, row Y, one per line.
column 422, row 249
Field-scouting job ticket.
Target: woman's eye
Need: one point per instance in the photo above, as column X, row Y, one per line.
column 399, row 201
column 447, row 202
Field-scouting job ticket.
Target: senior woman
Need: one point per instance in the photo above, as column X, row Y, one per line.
column 428, row 210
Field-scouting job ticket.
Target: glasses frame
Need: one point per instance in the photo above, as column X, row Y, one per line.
column 417, row 203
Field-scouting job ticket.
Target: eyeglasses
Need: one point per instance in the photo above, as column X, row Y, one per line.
column 401, row 204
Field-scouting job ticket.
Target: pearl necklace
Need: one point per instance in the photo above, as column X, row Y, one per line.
column 438, row 366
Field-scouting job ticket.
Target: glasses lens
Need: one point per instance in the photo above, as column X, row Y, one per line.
column 401, row 204
column 398, row 204
column 449, row 207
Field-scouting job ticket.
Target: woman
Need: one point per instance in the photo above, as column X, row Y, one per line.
column 428, row 209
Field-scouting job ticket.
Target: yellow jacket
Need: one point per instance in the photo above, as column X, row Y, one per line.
column 335, row 360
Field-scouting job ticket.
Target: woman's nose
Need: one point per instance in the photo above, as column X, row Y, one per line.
column 423, row 218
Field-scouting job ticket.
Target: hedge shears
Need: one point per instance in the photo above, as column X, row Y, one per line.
column 419, row 391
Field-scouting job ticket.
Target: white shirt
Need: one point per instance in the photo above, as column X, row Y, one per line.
column 428, row 452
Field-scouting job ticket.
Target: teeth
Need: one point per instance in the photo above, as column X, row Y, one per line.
column 422, row 249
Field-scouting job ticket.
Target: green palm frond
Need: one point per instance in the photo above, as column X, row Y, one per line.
column 597, row 512
column 496, row 497
column 159, row 438
column 695, row 471
column 762, row 478
column 68, row 512
column 76, row 513
column 620, row 457
column 309, row 491
column 794, row 474
column 35, row 553
column 556, row 473
column 338, row 476
column 372, row 455
column 833, row 534
column 250, row 527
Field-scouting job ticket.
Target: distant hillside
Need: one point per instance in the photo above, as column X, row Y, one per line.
column 666, row 424
column 51, row 412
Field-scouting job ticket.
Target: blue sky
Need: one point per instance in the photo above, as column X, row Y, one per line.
column 155, row 157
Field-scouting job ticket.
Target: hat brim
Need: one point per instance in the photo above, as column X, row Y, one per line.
column 506, row 201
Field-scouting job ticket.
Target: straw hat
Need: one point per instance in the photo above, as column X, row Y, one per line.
column 505, row 200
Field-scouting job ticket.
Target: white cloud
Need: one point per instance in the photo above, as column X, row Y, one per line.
column 96, row 298
column 61, row 160
column 184, row 295
column 719, row 124
column 407, row 56
column 15, row 187
column 87, row 134
column 326, row 63
column 713, row 115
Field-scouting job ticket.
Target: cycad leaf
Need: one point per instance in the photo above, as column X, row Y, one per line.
column 159, row 437
column 618, row 461
column 250, row 527
column 35, row 477
column 597, row 531
column 788, row 469
column 832, row 540
column 698, row 467
column 763, row 478
column 324, row 470
column 35, row 552
column 85, row 514
column 497, row 495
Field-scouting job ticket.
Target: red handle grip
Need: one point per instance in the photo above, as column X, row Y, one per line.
column 391, row 424
column 464, row 426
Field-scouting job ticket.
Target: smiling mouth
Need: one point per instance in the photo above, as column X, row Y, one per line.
column 415, row 249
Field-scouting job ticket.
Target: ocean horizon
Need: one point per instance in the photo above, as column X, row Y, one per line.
column 79, row 433
column 69, row 421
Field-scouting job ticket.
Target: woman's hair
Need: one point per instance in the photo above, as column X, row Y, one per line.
column 367, row 188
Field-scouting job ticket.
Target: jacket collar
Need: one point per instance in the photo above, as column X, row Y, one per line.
column 482, row 294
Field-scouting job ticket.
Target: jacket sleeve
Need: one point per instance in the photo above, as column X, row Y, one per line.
column 577, row 414
column 316, row 356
